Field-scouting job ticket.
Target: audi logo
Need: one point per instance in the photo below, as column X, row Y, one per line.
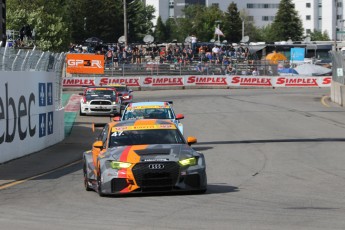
column 156, row 166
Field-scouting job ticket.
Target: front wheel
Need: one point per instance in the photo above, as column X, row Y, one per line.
column 81, row 113
column 99, row 184
column 86, row 179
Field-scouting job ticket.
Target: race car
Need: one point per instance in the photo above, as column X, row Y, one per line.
column 152, row 110
column 100, row 100
column 143, row 156
column 124, row 92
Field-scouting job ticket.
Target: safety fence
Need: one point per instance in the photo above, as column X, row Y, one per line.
column 242, row 67
column 29, row 60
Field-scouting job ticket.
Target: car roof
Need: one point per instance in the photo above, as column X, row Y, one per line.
column 100, row 88
column 150, row 104
column 142, row 124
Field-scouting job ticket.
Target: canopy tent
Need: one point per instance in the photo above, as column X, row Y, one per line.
column 93, row 40
column 311, row 69
column 287, row 71
column 274, row 57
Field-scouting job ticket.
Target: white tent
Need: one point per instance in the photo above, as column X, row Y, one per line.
column 311, row 69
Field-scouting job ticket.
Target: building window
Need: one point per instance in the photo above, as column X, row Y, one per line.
column 308, row 5
column 307, row 17
column 339, row 17
column 339, row 4
column 267, row 18
column 262, row 6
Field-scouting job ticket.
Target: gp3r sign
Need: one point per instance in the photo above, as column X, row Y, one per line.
column 85, row 63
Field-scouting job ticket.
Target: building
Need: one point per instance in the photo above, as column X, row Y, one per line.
column 261, row 12
column 171, row 8
column 322, row 15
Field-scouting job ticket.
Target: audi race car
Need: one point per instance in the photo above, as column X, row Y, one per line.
column 140, row 156
column 124, row 93
column 100, row 100
column 152, row 110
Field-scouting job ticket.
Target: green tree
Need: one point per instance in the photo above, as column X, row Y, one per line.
column 171, row 30
column 200, row 21
column 317, row 35
column 287, row 23
column 250, row 29
column 49, row 24
column 160, row 33
column 139, row 20
column 233, row 24
column 266, row 33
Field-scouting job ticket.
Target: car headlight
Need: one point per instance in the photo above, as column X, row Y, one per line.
column 119, row 165
column 125, row 97
column 114, row 103
column 188, row 162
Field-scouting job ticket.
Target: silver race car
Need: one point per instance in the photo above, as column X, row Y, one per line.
column 138, row 156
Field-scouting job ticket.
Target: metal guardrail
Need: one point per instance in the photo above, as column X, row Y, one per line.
column 30, row 59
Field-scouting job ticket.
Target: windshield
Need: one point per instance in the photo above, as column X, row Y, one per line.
column 142, row 137
column 100, row 92
column 156, row 113
column 121, row 88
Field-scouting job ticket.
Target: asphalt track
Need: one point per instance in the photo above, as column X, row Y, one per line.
column 275, row 160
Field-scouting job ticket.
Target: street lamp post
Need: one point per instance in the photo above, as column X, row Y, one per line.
column 242, row 28
column 125, row 21
column 335, row 27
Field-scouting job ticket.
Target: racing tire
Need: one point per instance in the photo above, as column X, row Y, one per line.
column 99, row 184
column 86, row 180
column 80, row 113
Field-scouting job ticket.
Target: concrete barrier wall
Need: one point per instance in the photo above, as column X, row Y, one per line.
column 338, row 93
column 29, row 119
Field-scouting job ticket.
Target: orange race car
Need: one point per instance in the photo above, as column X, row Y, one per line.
column 143, row 156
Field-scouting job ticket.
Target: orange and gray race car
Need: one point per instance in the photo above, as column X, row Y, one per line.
column 137, row 156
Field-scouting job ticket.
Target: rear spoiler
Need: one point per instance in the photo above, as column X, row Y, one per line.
column 169, row 102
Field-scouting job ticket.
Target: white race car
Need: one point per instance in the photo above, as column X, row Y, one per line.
column 100, row 101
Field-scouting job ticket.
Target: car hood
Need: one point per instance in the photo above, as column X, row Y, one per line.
column 99, row 97
column 144, row 153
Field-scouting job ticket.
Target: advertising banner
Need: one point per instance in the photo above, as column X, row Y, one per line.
column 28, row 119
column 99, row 81
column 202, row 81
column 85, row 63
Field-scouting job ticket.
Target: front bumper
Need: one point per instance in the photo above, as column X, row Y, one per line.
column 141, row 179
column 100, row 109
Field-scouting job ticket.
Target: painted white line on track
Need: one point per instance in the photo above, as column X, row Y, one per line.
column 10, row 184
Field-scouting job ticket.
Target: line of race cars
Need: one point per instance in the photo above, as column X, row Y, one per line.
column 142, row 150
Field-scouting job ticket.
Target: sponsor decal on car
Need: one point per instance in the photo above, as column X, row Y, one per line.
column 142, row 127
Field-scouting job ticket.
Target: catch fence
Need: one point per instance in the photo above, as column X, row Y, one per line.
column 24, row 59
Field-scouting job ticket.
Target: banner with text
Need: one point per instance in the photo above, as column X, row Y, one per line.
column 202, row 81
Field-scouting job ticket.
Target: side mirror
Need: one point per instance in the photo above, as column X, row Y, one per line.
column 117, row 118
column 130, row 91
column 179, row 116
column 191, row 140
column 98, row 144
